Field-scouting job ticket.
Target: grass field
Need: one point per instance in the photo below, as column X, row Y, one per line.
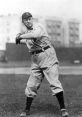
column 28, row 63
column 12, row 97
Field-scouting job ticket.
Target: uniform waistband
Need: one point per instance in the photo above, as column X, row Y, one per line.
column 40, row 50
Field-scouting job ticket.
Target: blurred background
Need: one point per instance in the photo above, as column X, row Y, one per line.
column 61, row 18
column 63, row 22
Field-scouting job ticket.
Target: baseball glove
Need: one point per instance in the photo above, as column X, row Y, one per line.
column 18, row 38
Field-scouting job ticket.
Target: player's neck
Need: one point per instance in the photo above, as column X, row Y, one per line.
column 30, row 28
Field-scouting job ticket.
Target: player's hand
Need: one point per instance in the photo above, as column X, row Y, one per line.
column 17, row 41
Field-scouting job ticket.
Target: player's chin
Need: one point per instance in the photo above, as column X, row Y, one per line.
column 29, row 26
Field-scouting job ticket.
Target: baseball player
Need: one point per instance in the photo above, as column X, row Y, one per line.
column 44, row 62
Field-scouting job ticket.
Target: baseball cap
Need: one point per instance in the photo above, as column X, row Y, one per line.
column 26, row 15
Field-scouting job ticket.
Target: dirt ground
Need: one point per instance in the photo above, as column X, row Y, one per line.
column 12, row 97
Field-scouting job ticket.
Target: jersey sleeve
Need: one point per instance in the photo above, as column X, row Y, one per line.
column 37, row 32
column 23, row 29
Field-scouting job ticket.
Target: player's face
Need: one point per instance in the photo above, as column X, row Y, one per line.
column 28, row 22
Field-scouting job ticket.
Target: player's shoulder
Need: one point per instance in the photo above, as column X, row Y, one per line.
column 38, row 25
column 23, row 28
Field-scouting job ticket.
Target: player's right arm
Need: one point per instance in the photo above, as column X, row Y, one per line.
column 33, row 34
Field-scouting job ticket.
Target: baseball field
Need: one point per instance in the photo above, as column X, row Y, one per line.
column 12, row 97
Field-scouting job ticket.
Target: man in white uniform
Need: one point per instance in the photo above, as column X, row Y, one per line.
column 44, row 63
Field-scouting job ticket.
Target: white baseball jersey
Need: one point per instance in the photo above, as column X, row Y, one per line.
column 40, row 39
column 43, row 64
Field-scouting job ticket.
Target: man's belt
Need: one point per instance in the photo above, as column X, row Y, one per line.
column 41, row 50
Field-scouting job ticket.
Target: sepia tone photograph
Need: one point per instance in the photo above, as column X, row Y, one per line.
column 41, row 58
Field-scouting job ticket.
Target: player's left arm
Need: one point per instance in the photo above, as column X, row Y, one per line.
column 23, row 42
column 36, row 33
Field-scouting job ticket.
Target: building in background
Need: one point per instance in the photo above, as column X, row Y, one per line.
column 73, row 33
column 62, row 32
column 9, row 27
column 55, row 29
